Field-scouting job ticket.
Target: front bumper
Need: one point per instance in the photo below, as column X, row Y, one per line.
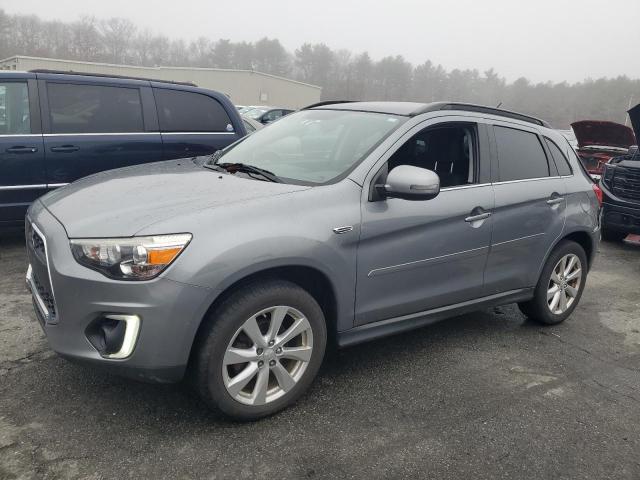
column 169, row 312
column 619, row 215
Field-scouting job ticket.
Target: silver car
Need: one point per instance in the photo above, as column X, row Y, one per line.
column 346, row 221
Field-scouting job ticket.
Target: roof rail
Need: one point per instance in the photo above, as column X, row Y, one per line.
column 470, row 107
column 106, row 75
column 326, row 102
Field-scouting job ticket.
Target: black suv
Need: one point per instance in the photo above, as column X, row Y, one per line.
column 620, row 184
column 57, row 127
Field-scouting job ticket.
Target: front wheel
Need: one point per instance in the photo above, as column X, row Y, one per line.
column 262, row 350
column 560, row 285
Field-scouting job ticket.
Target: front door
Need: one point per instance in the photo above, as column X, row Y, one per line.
column 91, row 127
column 415, row 256
column 22, row 172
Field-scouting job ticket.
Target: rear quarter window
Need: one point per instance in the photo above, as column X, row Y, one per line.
column 520, row 155
column 558, row 157
column 180, row 111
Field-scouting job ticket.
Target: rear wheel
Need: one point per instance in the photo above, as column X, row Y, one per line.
column 263, row 348
column 560, row 285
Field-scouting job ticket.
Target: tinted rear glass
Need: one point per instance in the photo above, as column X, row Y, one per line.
column 77, row 108
column 190, row 112
column 520, row 155
column 561, row 161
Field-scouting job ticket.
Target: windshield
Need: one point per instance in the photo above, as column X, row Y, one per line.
column 313, row 146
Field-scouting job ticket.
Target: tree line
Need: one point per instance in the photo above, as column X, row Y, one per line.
column 342, row 74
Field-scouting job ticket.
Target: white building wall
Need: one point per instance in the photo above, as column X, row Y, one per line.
column 244, row 87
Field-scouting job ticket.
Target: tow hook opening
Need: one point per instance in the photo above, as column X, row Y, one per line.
column 114, row 336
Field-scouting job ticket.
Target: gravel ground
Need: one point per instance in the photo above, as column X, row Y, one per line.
column 485, row 395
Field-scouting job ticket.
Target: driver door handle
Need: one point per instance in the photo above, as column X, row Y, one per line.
column 21, row 149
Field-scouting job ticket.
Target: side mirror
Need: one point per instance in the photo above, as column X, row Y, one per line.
column 411, row 183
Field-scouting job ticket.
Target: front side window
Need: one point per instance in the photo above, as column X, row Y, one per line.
column 520, row 155
column 180, row 111
column 78, row 108
column 14, row 108
column 313, row 146
column 447, row 150
column 558, row 157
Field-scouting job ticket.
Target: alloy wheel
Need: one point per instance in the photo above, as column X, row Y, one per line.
column 267, row 355
column 564, row 284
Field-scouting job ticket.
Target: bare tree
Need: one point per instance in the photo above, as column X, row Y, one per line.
column 341, row 74
column 117, row 34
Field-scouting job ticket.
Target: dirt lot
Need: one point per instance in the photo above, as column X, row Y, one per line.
column 486, row 395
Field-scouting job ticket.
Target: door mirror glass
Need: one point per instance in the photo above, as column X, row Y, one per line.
column 411, row 183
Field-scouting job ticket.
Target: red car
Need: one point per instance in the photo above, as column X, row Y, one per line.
column 599, row 141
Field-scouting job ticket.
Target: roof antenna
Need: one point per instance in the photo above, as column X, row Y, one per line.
column 499, row 105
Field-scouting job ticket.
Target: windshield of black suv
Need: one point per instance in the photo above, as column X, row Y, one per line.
column 312, row 146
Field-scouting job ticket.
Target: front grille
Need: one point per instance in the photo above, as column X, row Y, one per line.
column 40, row 281
column 36, row 242
column 46, row 297
column 626, row 183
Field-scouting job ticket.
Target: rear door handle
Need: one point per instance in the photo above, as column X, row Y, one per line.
column 555, row 200
column 65, row 149
column 21, row 149
column 480, row 216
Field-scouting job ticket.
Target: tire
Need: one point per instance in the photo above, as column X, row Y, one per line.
column 612, row 235
column 539, row 308
column 227, row 355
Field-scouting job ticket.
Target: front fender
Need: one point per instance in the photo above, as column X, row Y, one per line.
column 232, row 243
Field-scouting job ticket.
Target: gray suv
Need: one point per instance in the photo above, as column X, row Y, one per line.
column 344, row 221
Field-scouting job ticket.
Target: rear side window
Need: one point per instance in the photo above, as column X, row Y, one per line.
column 520, row 155
column 190, row 112
column 14, row 108
column 77, row 108
column 558, row 157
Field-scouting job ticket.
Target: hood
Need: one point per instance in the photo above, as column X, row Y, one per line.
column 634, row 115
column 121, row 202
column 603, row 134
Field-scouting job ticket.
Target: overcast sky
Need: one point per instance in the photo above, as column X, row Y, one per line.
column 543, row 39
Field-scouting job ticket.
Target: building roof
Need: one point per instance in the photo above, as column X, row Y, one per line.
column 156, row 68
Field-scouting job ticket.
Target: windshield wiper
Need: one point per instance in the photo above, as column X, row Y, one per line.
column 246, row 168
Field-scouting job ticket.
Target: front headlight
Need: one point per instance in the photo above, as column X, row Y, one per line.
column 135, row 258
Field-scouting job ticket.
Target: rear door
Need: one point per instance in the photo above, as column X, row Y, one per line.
column 22, row 173
column 530, row 207
column 194, row 123
column 94, row 125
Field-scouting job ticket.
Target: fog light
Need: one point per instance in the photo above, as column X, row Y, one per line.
column 114, row 335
